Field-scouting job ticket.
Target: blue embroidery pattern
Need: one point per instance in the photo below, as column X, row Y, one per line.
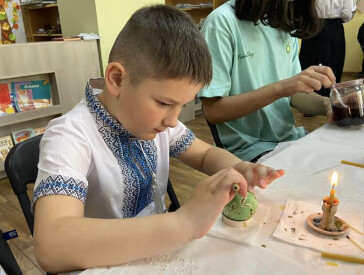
column 60, row 185
column 182, row 144
column 126, row 149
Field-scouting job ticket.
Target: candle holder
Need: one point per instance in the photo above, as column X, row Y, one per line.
column 326, row 222
column 239, row 211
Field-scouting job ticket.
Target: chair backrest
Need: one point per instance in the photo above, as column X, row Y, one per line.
column 215, row 134
column 172, row 197
column 21, row 168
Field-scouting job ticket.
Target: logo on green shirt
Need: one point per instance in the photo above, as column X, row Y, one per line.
column 248, row 54
column 288, row 48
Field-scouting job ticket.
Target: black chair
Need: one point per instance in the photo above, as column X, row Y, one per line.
column 215, row 134
column 7, row 260
column 172, row 197
column 21, row 169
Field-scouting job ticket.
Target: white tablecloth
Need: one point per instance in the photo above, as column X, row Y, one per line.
column 308, row 164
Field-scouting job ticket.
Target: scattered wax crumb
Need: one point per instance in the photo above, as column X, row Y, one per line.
column 282, row 207
column 263, row 245
column 290, row 217
column 335, row 238
column 332, row 264
column 277, row 221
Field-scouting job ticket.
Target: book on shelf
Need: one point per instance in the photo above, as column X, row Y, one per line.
column 31, row 95
column 39, row 130
column 5, row 145
column 6, row 104
column 22, row 134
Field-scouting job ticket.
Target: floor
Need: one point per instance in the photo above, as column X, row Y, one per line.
column 183, row 178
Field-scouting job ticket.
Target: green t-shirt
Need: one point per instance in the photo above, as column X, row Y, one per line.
column 246, row 57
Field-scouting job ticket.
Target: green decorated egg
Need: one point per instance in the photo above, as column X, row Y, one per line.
column 239, row 210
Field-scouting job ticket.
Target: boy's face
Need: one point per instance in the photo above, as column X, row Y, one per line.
column 153, row 105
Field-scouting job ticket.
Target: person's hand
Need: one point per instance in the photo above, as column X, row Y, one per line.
column 309, row 80
column 211, row 195
column 257, row 174
column 207, row 201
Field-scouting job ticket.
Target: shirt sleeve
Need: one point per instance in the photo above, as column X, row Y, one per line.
column 349, row 7
column 220, row 45
column 64, row 162
column 180, row 139
column 336, row 9
column 296, row 65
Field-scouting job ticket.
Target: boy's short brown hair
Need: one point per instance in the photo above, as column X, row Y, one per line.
column 162, row 42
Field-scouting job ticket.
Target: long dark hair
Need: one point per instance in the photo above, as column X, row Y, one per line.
column 297, row 17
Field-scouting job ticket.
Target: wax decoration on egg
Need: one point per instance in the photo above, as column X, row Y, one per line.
column 240, row 210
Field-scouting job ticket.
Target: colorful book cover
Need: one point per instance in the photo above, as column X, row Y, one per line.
column 39, row 130
column 23, row 134
column 5, row 145
column 6, row 106
column 30, row 95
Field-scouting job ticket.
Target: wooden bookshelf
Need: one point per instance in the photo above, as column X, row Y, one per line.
column 36, row 17
column 54, row 61
column 197, row 13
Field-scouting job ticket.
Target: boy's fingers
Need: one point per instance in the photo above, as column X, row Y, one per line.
column 274, row 174
column 229, row 177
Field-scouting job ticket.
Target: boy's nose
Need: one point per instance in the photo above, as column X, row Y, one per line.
column 171, row 120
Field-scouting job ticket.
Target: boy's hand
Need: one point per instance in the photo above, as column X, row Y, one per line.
column 211, row 195
column 207, row 201
column 257, row 174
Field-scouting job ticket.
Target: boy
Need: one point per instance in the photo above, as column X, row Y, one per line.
column 109, row 156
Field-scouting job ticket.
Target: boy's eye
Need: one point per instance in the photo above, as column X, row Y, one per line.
column 162, row 103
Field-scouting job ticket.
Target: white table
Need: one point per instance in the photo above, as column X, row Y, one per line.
column 308, row 163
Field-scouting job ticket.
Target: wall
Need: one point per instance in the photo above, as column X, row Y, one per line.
column 354, row 55
column 112, row 16
column 105, row 18
column 77, row 17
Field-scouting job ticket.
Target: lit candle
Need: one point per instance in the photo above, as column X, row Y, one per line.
column 334, row 181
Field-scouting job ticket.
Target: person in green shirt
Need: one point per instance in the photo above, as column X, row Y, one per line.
column 257, row 75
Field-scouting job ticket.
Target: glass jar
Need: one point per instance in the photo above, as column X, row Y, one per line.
column 347, row 102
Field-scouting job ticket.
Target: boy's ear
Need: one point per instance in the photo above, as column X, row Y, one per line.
column 114, row 76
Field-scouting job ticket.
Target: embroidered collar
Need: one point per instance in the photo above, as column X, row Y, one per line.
column 135, row 166
column 102, row 115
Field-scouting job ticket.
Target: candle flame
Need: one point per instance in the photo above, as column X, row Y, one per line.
column 334, row 179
